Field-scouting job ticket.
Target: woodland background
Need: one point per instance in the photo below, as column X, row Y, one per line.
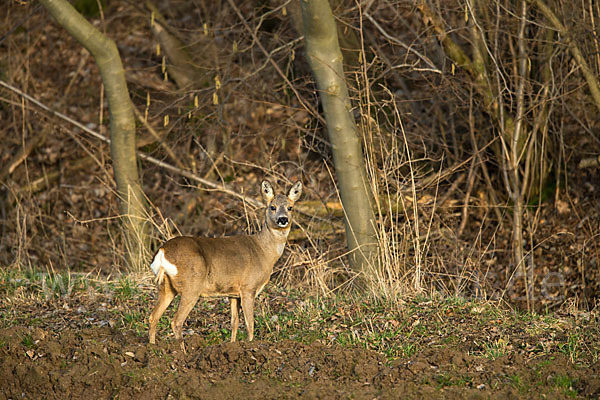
column 479, row 124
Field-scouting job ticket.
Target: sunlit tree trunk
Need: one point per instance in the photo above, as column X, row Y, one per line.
column 325, row 59
column 122, row 123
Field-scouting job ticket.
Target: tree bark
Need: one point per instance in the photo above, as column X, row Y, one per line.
column 518, row 186
column 325, row 59
column 132, row 203
column 349, row 41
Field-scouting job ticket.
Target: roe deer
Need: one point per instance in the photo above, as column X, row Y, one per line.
column 238, row 267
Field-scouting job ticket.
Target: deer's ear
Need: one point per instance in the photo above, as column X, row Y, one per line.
column 295, row 191
column 267, row 191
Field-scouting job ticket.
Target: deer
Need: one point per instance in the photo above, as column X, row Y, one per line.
column 237, row 267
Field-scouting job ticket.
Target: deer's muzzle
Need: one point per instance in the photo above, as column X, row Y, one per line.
column 282, row 221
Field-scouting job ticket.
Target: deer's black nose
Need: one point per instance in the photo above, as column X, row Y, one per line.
column 282, row 221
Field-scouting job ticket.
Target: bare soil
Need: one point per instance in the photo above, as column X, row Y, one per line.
column 58, row 208
column 106, row 363
column 82, row 346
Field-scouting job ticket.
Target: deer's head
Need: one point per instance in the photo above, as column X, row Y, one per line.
column 278, row 214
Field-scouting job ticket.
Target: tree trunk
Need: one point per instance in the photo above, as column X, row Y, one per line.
column 348, row 39
column 588, row 73
column 122, row 124
column 325, row 59
column 182, row 68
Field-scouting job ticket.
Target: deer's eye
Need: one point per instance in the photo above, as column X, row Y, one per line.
column 290, row 208
column 273, row 208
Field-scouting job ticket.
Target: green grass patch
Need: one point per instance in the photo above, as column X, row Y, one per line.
column 126, row 289
column 37, row 283
column 495, row 349
column 446, row 380
column 565, row 384
column 572, row 347
column 517, row 382
column 27, row 341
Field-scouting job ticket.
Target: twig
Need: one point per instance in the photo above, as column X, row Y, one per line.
column 155, row 161
column 452, row 189
column 279, row 71
column 446, row 173
column 484, row 170
column 21, row 155
column 465, row 209
column 53, row 112
column 205, row 182
column 588, row 73
column 156, row 136
column 426, row 60
column 271, row 54
column 49, row 177
column 39, row 139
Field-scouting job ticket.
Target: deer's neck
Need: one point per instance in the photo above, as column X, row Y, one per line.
column 273, row 239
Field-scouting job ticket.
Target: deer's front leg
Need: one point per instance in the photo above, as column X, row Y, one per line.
column 235, row 316
column 248, row 307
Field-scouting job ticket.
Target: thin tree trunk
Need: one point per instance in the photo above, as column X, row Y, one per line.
column 515, row 148
column 325, row 59
column 122, row 123
column 186, row 73
column 476, row 69
column 349, row 41
column 588, row 74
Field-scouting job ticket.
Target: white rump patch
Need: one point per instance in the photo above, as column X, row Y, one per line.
column 161, row 262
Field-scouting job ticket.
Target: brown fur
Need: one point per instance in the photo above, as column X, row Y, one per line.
column 237, row 267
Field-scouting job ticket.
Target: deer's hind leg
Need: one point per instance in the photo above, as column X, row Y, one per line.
column 187, row 302
column 166, row 293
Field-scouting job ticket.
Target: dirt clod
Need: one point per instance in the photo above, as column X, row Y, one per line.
column 105, row 364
